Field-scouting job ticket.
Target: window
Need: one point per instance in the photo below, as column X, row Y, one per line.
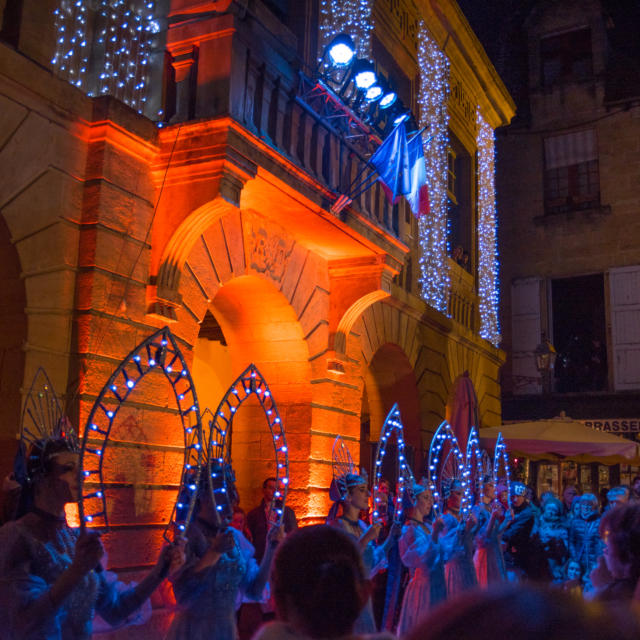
column 566, row 57
column 459, row 206
column 579, row 333
column 571, row 177
column 451, row 175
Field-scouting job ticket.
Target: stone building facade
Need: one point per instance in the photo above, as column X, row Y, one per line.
column 210, row 212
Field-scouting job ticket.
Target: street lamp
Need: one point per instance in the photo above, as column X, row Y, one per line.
column 545, row 360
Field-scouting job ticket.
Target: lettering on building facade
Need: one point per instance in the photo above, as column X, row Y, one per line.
column 625, row 425
column 405, row 22
column 461, row 104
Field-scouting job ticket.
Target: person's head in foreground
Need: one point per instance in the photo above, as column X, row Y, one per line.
column 526, row 613
column 318, row 582
column 620, row 532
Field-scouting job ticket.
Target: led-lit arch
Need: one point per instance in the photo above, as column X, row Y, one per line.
column 249, row 382
column 159, row 351
column 501, row 462
column 474, row 465
column 442, row 471
column 392, row 426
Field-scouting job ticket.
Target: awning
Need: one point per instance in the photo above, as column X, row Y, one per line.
column 562, row 439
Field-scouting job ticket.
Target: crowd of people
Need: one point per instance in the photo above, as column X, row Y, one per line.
column 441, row 559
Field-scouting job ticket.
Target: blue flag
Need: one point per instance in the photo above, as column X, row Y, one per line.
column 391, row 160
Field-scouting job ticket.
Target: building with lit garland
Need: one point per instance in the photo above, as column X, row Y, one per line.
column 176, row 163
column 568, row 180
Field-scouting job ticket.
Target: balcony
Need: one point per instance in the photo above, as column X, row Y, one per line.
column 463, row 301
column 248, row 69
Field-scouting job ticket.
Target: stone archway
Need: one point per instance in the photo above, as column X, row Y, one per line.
column 270, row 297
column 13, row 334
column 258, row 325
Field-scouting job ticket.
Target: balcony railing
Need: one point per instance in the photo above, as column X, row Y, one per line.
column 463, row 300
column 264, row 93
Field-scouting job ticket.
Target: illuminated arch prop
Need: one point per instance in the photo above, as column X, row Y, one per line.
column 452, row 467
column 474, row 467
column 501, row 459
column 392, row 425
column 249, row 382
column 159, row 351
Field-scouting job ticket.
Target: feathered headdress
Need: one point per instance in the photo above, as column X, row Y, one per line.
column 345, row 472
column 42, row 423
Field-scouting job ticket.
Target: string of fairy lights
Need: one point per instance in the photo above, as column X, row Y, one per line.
column 488, row 291
column 347, row 16
column 105, row 47
column 432, row 100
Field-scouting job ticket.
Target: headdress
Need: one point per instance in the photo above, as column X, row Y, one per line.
column 415, row 490
column 518, row 489
column 345, row 472
column 42, row 424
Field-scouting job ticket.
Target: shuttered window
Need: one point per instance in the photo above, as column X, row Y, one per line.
column 571, row 178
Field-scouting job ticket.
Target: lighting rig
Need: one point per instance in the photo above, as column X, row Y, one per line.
column 351, row 97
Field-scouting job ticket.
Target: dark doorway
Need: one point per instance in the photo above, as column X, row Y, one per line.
column 579, row 333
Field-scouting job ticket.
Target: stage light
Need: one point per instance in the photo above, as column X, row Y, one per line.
column 403, row 117
column 341, row 50
column 373, row 93
column 388, row 99
column 364, row 75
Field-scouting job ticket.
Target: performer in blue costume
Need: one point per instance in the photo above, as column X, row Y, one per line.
column 422, row 552
column 488, row 559
column 350, row 491
column 220, row 571
column 458, row 538
column 51, row 580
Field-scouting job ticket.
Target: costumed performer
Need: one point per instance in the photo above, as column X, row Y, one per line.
column 487, row 558
column 220, row 571
column 422, row 552
column 350, row 491
column 51, row 580
column 459, row 533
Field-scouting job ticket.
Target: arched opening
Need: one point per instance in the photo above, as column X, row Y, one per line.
column 13, row 334
column 250, row 321
column 390, row 379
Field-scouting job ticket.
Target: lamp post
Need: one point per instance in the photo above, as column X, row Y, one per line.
column 545, row 360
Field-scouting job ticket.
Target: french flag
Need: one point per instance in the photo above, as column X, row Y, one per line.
column 418, row 196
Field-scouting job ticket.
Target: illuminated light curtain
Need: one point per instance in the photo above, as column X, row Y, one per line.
column 347, row 16
column 432, row 100
column 488, row 286
column 115, row 38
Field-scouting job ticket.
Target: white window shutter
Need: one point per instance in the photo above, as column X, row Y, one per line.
column 526, row 328
column 624, row 302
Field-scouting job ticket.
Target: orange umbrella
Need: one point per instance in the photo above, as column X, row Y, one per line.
column 562, row 438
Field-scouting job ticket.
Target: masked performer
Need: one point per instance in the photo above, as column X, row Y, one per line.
column 349, row 491
column 422, row 552
column 51, row 580
column 219, row 572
